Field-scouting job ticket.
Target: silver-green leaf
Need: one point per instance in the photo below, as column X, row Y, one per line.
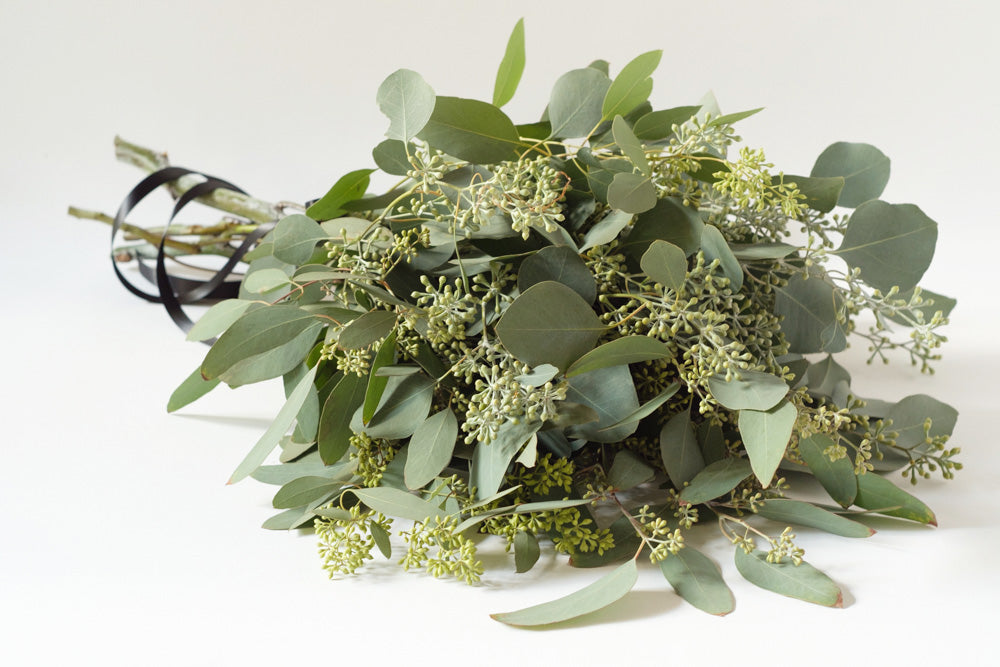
column 408, row 101
column 765, row 435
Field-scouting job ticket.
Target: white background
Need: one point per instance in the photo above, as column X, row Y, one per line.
column 120, row 543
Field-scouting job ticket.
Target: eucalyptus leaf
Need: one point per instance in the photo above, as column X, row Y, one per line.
column 802, row 581
column 892, row 244
column 682, row 458
column 646, row 409
column 730, row 118
column 883, row 497
column 610, row 392
column 538, row 376
column 348, row 188
column 713, row 243
column 864, row 168
column 381, row 538
column 632, row 86
column 549, row 324
column 408, row 101
column 821, row 194
column 430, row 448
column 809, row 307
column 752, row 390
column 367, row 329
column 404, row 406
column 632, row 193
column 490, row 461
column 825, row 376
column 265, row 280
column 397, row 503
column 606, row 230
column 909, row 414
column 295, row 238
column 526, row 551
column 837, row 477
column 658, row 125
column 630, row 145
column 628, row 471
column 575, row 107
column 625, row 350
column 765, row 435
column 390, row 156
column 307, row 420
column 716, row 479
column 376, row 383
column 669, row 220
column 763, row 251
column 797, row 512
column 303, row 491
column 934, row 303
column 511, row 67
column 609, row 588
column 194, row 387
column 471, row 130
column 218, row 318
column 561, row 264
column 335, row 431
column 286, row 472
column 666, row 264
column 282, row 421
column 697, row 579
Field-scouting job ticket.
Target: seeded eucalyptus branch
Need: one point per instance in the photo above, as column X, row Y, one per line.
column 591, row 333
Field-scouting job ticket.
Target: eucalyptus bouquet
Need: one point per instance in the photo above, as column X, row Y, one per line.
column 586, row 333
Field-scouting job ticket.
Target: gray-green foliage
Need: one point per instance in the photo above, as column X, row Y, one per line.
column 541, row 317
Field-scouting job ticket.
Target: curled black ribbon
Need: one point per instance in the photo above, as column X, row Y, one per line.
column 174, row 291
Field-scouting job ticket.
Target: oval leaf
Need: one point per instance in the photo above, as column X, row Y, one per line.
column 715, row 480
column 765, row 436
column 658, row 125
column 430, row 448
column 561, row 264
column 883, row 497
column 396, row 503
column 909, row 414
column 303, row 491
column 295, row 238
column 408, row 101
column 808, row 307
column 797, row 512
column 471, row 130
column 665, row 263
column 753, row 390
column 627, row 350
column 610, row 392
column 632, row 193
column 682, row 457
column 576, row 102
column 803, row 581
column 526, row 551
column 628, row 471
column 609, row 588
column 837, row 477
column 334, row 434
column 390, row 156
column 218, row 318
column 404, row 406
column 864, row 168
column 632, row 86
column 365, row 330
column 697, row 579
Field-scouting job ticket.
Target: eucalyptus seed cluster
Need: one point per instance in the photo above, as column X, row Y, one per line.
column 435, row 546
column 529, row 191
column 346, row 543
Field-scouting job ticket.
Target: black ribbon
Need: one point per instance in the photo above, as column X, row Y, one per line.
column 174, row 291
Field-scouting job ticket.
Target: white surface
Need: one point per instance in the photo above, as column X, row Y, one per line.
column 121, row 545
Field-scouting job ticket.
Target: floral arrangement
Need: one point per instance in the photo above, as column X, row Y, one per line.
column 592, row 333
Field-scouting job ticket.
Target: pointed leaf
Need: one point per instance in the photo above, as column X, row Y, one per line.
column 606, row 230
column 609, row 588
column 365, row 330
column 303, row 491
column 665, row 263
column 408, row 101
column 526, row 551
column 218, row 318
column 797, row 512
column 610, row 392
column 490, row 461
column 632, row 85
column 679, row 450
column 377, row 380
column 697, row 579
column 658, row 125
column 909, row 414
column 471, row 130
column 864, row 168
column 430, row 448
column 396, row 503
column 753, row 390
column 821, row 193
column 511, row 67
column 808, row 307
column 837, row 477
column 620, row 351
column 825, row 376
column 561, row 264
column 752, row 251
column 803, row 581
column 715, row 480
column 765, row 436
column 730, row 118
column 628, row 471
column 632, row 193
column 575, row 103
column 883, row 497
column 669, row 221
column 295, row 238
column 381, row 538
column 647, row 408
column 334, row 434
column 349, row 187
column 282, row 421
column 189, row 391
column 404, row 406
column 715, row 247
column 630, row 144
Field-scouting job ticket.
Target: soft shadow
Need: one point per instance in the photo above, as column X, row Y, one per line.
column 847, row 598
column 250, row 422
column 635, row 606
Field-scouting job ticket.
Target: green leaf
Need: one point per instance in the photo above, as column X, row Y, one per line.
column 620, row 351
column 628, row 471
column 264, row 280
column 864, row 168
column 490, row 461
column 665, row 263
column 287, row 519
column 471, row 130
column 334, row 434
column 803, row 581
column 390, row 156
column 669, row 221
column 837, row 477
column 697, row 579
column 826, row 377
column 682, row 458
column 765, row 436
column 218, row 318
column 307, row 421
column 909, row 414
column 752, row 251
column 376, row 379
column 797, row 512
column 883, row 497
column 821, row 193
column 576, row 101
column 303, row 491
column 396, row 503
column 632, row 86
column 408, row 101
column 752, row 390
column 267, row 442
column 626, row 544
column 538, row 375
column 367, row 329
column 265, row 343
column 348, row 188
column 606, row 230
column 660, row 124
column 511, row 67
column 381, row 538
column 404, row 406
column 526, row 551
column 295, row 238
column 730, row 118
column 562, row 265
column 189, row 391
column 809, row 311
column 610, row 392
column 892, row 244
column 715, row 480
column 647, row 408
column 286, row 472
column 609, row 588
column 632, row 193
column 934, row 302
column 715, row 247
column 712, row 442
column 430, row 448
column 549, row 323
column 630, row 145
